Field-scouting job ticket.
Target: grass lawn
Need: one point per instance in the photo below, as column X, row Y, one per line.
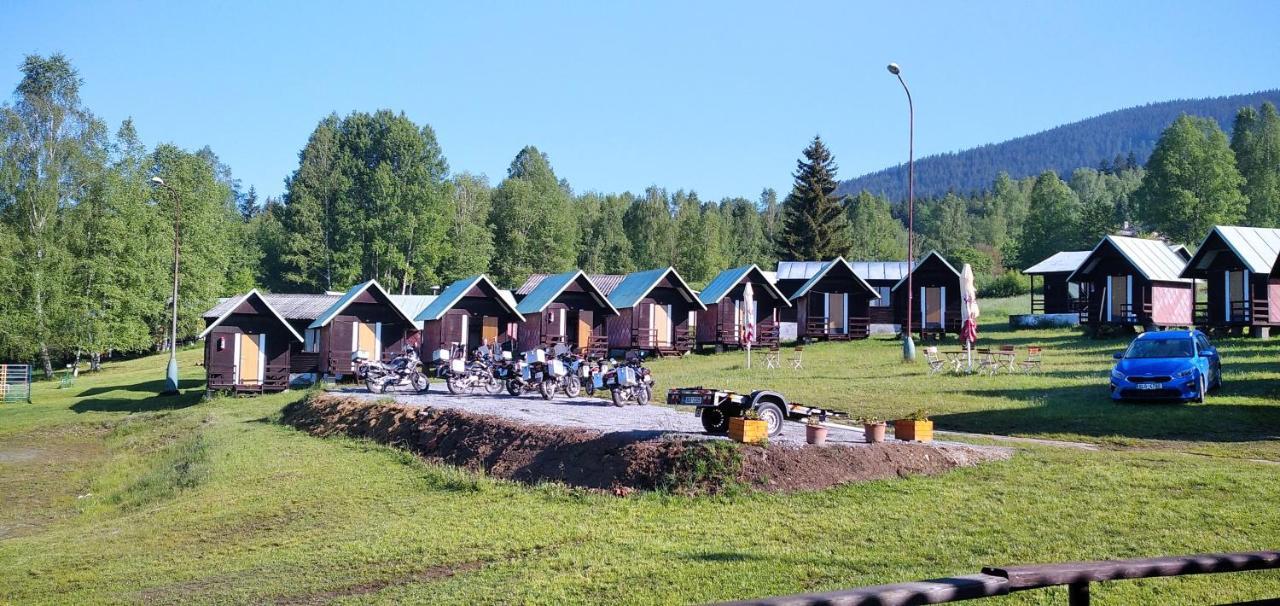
column 111, row 495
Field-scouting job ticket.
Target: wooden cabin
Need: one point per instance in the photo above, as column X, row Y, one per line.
column 881, row 276
column 467, row 314
column 719, row 324
column 364, row 319
column 656, row 312
column 1056, row 294
column 1134, row 282
column 829, row 301
column 937, row 297
column 247, row 346
column 564, row 308
column 1238, row 266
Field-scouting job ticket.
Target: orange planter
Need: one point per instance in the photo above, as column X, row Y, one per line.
column 748, row 431
column 906, row 429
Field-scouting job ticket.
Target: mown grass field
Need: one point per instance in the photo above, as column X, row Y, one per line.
column 110, row 495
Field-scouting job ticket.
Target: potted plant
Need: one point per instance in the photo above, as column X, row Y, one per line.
column 748, row 428
column 814, row 432
column 872, row 429
column 915, row 426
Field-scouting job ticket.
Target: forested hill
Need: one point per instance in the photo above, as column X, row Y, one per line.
column 1086, row 143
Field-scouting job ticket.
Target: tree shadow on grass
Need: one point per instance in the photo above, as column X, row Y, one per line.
column 1087, row 410
column 154, row 387
column 184, row 399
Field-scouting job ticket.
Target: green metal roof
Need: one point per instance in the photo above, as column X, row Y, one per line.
column 551, row 287
column 635, row 286
column 350, row 296
column 454, row 293
column 826, row 267
column 727, row 279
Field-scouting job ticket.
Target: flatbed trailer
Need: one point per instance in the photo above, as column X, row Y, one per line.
column 714, row 407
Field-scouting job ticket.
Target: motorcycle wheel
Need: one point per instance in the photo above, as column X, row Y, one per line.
column 420, row 382
column 642, row 395
column 452, row 383
column 616, row 395
column 492, row 385
column 374, row 385
column 547, row 389
column 572, row 387
column 513, row 388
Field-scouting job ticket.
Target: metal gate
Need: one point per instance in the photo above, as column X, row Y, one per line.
column 15, row 383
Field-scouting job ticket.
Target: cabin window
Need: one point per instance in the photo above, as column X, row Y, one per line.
column 311, row 340
column 883, row 301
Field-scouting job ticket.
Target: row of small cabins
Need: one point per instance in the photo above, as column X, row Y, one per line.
column 260, row 342
column 263, row 341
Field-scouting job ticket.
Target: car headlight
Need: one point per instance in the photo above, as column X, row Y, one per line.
column 1182, row 374
column 1117, row 375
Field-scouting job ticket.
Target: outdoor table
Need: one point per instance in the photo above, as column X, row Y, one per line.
column 957, row 359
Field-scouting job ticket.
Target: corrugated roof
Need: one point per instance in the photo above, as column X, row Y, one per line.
column 550, row 287
column 635, row 286
column 454, row 293
column 351, row 294
column 413, row 305
column 230, row 304
column 799, row 270
column 605, row 282
column 880, row 270
column 1257, row 247
column 290, row 306
column 1152, row 258
column 729, row 278
column 826, row 267
column 1065, row 261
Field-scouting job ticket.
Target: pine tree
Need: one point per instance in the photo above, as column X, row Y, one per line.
column 248, row 204
column 1255, row 139
column 1191, row 183
column 815, row 226
column 1052, row 220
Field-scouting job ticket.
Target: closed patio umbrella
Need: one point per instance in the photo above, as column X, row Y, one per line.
column 969, row 294
column 748, row 319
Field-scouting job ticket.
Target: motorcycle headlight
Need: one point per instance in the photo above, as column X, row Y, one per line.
column 1117, row 375
column 1182, row 374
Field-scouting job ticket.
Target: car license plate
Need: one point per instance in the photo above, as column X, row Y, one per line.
column 1150, row 385
column 695, row 400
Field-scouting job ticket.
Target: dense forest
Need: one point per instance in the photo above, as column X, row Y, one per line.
column 87, row 234
column 1129, row 134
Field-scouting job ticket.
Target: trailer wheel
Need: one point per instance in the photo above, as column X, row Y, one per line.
column 715, row 420
column 771, row 414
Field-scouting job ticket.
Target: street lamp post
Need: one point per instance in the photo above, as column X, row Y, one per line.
column 908, row 343
column 171, row 375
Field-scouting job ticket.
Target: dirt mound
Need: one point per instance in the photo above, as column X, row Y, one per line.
column 616, row 461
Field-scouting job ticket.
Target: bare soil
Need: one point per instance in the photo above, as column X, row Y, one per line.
column 619, row 462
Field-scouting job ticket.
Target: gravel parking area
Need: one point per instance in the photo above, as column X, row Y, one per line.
column 642, row 422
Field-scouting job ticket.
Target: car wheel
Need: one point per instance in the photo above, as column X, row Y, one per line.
column 1217, row 382
column 1204, row 387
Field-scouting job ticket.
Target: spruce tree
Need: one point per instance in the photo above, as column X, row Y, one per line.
column 814, row 222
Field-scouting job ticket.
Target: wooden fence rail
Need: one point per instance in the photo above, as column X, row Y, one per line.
column 994, row 581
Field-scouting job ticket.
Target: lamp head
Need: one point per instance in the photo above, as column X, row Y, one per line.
column 894, row 69
column 157, row 181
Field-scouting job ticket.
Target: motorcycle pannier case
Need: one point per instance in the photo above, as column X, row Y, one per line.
column 558, row 369
column 626, row 376
column 457, row 366
column 535, row 356
column 440, row 355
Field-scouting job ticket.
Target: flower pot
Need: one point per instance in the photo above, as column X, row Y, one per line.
column 815, row 434
column 874, row 432
column 908, row 430
column 748, row 431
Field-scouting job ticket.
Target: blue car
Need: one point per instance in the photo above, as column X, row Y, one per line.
column 1176, row 365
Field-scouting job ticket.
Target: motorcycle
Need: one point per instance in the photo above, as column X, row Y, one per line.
column 461, row 376
column 592, row 373
column 403, row 370
column 535, row 372
column 630, row 382
column 575, row 372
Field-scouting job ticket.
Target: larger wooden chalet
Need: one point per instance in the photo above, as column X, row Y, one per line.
column 1056, row 295
column 248, row 346
column 829, row 300
column 719, row 325
column 364, row 319
column 564, row 308
column 656, row 310
column 937, row 299
column 1239, row 267
column 1129, row 282
column 467, row 314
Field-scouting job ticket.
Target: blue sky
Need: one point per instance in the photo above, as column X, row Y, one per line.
column 719, row 98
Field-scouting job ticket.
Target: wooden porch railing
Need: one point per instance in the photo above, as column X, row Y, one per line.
column 992, row 581
column 820, row 328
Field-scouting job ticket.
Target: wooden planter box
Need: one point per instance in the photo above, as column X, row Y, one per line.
column 748, row 431
column 907, row 430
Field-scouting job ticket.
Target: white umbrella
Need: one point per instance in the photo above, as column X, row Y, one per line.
column 969, row 294
column 749, row 318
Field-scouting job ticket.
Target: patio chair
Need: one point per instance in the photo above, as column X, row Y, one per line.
column 987, row 363
column 1032, row 361
column 773, row 357
column 797, row 361
column 1008, row 357
column 935, row 360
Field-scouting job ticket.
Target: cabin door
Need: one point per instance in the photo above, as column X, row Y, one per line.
column 1118, row 295
column 584, row 330
column 932, row 300
column 661, row 324
column 251, row 359
column 1236, row 306
column 365, row 337
column 838, row 314
column 555, row 323
column 489, row 330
